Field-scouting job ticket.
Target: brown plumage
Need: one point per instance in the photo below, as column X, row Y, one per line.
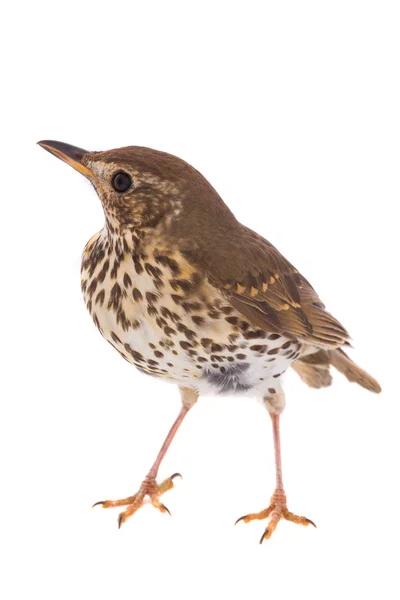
column 186, row 293
column 314, row 369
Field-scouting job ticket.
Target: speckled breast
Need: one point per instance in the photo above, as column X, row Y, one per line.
column 163, row 317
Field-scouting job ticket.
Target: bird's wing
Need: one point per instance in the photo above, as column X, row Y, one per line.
column 262, row 285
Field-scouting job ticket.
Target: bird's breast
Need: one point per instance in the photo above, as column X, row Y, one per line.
column 162, row 316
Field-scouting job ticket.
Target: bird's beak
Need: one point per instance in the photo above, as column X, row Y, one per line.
column 69, row 154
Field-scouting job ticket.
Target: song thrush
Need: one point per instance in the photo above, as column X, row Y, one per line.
column 185, row 292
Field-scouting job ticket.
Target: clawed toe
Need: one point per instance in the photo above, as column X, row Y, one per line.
column 148, row 488
column 277, row 510
column 256, row 516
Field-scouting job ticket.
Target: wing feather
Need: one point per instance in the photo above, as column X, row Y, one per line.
column 263, row 286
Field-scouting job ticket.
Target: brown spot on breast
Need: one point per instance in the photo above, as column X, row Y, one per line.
column 191, row 306
column 100, row 297
column 197, row 320
column 183, row 284
column 151, row 298
column 115, row 297
column 115, row 338
column 252, row 335
column 103, row 271
column 190, row 334
column 185, row 345
column 158, row 284
column 258, row 348
column 216, row 348
column 135, row 355
column 168, row 262
column 273, row 351
column 213, row 314
column 232, row 347
column 169, row 331
column 127, row 280
column 92, row 287
column 166, row 312
column 125, row 322
column 153, row 271
column 137, row 264
column 115, row 268
column 137, row 294
column 232, row 320
column 216, row 357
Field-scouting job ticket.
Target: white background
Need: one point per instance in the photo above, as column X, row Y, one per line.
column 291, row 110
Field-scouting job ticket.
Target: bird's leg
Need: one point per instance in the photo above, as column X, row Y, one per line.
column 277, row 508
column 149, row 486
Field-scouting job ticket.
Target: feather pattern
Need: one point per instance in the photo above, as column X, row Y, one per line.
column 262, row 285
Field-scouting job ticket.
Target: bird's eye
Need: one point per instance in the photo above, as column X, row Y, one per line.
column 121, row 181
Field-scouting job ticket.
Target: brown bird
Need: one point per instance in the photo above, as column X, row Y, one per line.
column 184, row 292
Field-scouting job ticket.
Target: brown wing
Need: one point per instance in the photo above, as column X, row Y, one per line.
column 262, row 285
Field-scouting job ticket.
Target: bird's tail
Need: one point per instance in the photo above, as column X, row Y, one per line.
column 314, row 369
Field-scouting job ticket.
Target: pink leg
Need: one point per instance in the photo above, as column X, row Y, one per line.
column 278, row 507
column 277, row 449
column 152, row 474
column 149, row 486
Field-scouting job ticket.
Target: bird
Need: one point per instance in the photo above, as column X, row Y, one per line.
column 186, row 293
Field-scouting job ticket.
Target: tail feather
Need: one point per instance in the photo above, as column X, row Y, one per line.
column 353, row 372
column 314, row 369
column 316, row 376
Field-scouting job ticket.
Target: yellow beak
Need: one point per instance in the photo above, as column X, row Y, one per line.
column 69, row 154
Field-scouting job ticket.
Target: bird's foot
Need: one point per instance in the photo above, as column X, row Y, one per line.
column 149, row 488
column 276, row 511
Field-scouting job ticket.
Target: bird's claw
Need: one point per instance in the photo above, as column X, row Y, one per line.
column 148, row 488
column 277, row 510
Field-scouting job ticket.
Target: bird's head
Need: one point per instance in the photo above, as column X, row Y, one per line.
column 141, row 187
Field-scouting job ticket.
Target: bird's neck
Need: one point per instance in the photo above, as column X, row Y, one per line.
column 133, row 240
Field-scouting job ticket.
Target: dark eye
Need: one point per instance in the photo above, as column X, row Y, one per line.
column 121, row 181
